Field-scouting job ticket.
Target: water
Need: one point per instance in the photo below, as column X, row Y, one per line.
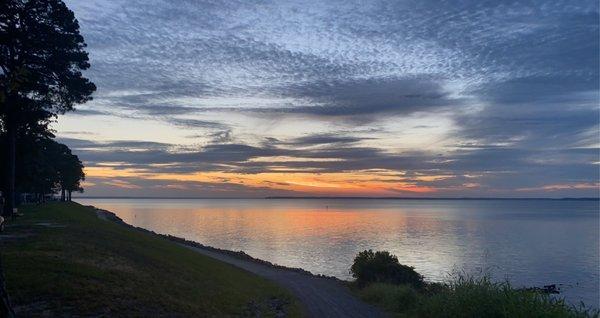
column 529, row 242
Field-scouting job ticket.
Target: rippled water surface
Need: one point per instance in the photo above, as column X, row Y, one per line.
column 530, row 242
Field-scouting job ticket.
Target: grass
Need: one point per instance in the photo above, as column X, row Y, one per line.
column 467, row 296
column 392, row 298
column 61, row 260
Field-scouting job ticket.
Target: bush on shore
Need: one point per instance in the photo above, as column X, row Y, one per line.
column 383, row 267
column 465, row 296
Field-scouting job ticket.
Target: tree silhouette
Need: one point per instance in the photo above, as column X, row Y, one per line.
column 36, row 172
column 46, row 167
column 70, row 171
column 42, row 55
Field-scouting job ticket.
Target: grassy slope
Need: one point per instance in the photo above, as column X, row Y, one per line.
column 96, row 267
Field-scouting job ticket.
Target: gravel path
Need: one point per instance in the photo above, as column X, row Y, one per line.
column 321, row 297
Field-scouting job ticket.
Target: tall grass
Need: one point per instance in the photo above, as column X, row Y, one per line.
column 392, row 298
column 468, row 296
column 382, row 280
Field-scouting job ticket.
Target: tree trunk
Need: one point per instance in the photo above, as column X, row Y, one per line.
column 11, row 131
column 62, row 194
column 70, row 195
column 5, row 306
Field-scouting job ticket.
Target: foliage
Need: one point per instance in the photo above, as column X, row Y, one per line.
column 69, row 168
column 383, row 267
column 46, row 167
column 462, row 296
column 468, row 296
column 42, row 56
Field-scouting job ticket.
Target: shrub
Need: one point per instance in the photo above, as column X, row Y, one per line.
column 383, row 267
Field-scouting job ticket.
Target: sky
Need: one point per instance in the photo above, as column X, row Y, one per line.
column 339, row 98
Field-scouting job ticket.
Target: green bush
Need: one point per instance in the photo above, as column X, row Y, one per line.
column 383, row 267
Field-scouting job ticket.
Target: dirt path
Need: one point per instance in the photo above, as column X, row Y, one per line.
column 321, row 297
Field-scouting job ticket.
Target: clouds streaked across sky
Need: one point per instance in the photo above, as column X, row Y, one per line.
column 383, row 98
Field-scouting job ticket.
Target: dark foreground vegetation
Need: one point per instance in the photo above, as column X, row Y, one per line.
column 42, row 56
column 61, row 260
column 401, row 291
column 45, row 168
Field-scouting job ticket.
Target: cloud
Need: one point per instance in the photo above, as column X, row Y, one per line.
column 371, row 96
column 89, row 112
column 489, row 168
column 197, row 123
column 512, row 87
column 136, row 187
column 319, row 139
column 81, row 144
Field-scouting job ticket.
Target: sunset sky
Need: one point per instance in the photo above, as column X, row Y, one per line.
column 348, row 98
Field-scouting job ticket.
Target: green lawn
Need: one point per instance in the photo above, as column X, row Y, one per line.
column 60, row 259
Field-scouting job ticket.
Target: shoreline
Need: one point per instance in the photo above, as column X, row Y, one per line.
column 319, row 295
column 548, row 288
column 554, row 289
column 111, row 216
column 100, row 265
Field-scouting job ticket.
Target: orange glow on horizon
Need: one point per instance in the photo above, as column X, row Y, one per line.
column 367, row 182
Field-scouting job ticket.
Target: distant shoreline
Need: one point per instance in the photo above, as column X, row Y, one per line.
column 342, row 198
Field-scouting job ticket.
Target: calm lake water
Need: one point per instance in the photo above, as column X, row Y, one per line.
column 529, row 242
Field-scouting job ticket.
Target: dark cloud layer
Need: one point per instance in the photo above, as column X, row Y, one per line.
column 498, row 168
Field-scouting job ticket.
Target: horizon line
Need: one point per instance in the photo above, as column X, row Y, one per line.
column 342, row 197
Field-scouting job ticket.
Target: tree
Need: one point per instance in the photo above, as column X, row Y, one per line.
column 42, row 55
column 45, row 167
column 37, row 172
column 70, row 172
